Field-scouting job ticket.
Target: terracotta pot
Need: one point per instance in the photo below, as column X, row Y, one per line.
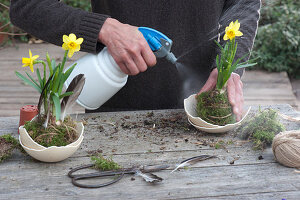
column 27, row 113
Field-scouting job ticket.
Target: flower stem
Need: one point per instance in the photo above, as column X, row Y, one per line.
column 64, row 60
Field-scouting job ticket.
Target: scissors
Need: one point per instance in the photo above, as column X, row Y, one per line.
column 117, row 174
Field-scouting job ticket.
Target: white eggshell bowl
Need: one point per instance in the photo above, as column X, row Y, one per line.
column 190, row 106
column 49, row 154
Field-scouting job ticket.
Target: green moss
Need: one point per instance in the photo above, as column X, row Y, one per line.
column 262, row 128
column 220, row 144
column 261, row 137
column 230, row 142
column 7, row 144
column 217, row 146
column 215, row 108
column 104, row 164
column 54, row 135
column 10, row 139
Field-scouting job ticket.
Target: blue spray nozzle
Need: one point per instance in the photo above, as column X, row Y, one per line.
column 159, row 43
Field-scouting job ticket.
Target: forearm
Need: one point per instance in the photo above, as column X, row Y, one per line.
column 247, row 12
column 49, row 20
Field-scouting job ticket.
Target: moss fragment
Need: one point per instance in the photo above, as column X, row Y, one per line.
column 214, row 107
column 262, row 128
column 217, row 146
column 7, row 144
column 104, row 164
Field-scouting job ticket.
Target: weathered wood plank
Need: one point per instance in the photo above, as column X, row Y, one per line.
column 129, row 139
column 22, row 100
column 263, row 76
column 203, row 182
column 263, row 102
column 8, row 110
column 16, row 54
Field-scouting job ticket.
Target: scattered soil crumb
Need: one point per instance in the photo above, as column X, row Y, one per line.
column 150, row 114
column 162, row 148
column 95, row 152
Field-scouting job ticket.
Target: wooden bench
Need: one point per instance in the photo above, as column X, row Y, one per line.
column 161, row 137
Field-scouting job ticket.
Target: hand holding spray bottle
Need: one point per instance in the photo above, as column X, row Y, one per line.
column 103, row 76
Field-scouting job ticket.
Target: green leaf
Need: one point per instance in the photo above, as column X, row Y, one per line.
column 236, row 63
column 61, row 85
column 39, row 77
column 49, row 65
column 53, row 64
column 245, row 65
column 28, row 82
column 217, row 63
column 219, row 45
column 52, row 77
column 33, row 80
column 68, row 72
column 45, row 78
column 48, row 60
column 57, row 82
column 56, row 102
column 64, row 60
column 65, row 94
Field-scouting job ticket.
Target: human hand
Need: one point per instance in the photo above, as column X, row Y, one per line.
column 127, row 46
column 234, row 90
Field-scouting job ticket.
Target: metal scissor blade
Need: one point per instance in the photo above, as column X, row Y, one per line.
column 153, row 168
column 149, row 177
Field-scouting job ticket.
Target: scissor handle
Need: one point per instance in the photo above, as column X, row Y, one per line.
column 70, row 174
column 75, row 178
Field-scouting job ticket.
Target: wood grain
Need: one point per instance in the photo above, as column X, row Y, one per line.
column 131, row 141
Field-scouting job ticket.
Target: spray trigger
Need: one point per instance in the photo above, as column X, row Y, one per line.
column 159, row 43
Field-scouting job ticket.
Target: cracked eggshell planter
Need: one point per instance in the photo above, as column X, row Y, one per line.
column 190, row 106
column 49, row 154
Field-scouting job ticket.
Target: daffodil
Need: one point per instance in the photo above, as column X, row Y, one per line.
column 71, row 43
column 29, row 61
column 232, row 30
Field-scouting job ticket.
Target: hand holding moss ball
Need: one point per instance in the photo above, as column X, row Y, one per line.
column 234, row 90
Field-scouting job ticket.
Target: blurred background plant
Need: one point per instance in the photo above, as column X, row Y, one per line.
column 83, row 4
column 278, row 37
column 9, row 34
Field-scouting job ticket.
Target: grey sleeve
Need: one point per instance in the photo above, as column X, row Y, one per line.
column 248, row 13
column 49, row 20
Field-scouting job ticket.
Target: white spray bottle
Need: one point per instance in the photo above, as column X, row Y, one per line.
column 103, row 76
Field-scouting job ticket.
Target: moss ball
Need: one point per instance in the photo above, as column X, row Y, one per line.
column 214, row 107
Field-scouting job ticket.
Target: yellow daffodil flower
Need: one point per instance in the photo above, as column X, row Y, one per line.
column 232, row 30
column 71, row 43
column 29, row 61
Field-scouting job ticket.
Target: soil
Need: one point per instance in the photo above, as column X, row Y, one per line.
column 5, row 149
column 147, row 129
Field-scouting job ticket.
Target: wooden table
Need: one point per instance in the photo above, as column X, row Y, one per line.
column 158, row 137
